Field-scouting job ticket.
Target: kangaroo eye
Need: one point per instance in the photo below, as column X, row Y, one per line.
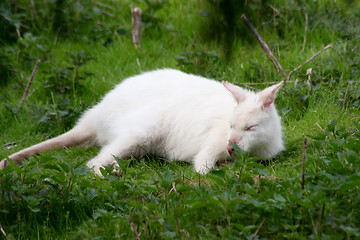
column 251, row 128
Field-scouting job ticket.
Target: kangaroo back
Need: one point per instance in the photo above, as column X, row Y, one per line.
column 76, row 136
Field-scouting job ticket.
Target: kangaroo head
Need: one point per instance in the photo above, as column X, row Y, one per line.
column 255, row 125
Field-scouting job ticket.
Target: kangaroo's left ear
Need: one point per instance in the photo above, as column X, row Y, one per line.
column 267, row 96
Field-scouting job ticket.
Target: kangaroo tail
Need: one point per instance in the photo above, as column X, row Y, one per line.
column 74, row 137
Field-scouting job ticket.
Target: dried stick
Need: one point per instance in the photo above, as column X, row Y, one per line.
column 303, row 165
column 137, row 235
column 3, row 232
column 310, row 59
column 320, row 128
column 263, row 83
column 136, row 26
column 177, row 224
column 29, row 83
column 173, row 188
column 246, row 85
column 104, row 5
column 306, row 23
column 273, row 8
column 258, row 229
column 264, row 45
column 196, row 66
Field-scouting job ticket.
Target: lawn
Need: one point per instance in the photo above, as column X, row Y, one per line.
column 85, row 48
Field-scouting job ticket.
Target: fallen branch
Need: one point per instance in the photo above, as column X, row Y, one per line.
column 310, row 59
column 258, row 229
column 264, row 46
column 29, row 83
column 136, row 26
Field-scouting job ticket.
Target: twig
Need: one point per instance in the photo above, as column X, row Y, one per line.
column 138, row 62
column 136, row 26
column 3, row 232
column 173, row 188
column 258, row 229
column 196, row 66
column 185, row 233
column 310, row 59
column 273, row 8
column 211, row 68
column 320, row 128
column 137, row 235
column 177, row 224
column 188, row 178
column 264, row 45
column 57, row 35
column 303, row 165
column 306, row 23
column 12, row 20
column 104, row 5
column 29, row 83
column 263, row 83
column 246, row 85
column 18, row 32
column 107, row 13
column 235, row 79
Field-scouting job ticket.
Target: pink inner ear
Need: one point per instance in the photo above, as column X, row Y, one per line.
column 266, row 101
column 268, row 95
column 238, row 93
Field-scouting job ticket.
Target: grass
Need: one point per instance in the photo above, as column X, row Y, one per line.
column 53, row 196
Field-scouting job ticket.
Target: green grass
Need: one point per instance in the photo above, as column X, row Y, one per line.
column 53, row 196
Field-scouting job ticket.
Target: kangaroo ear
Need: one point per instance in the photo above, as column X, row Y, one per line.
column 267, row 96
column 238, row 93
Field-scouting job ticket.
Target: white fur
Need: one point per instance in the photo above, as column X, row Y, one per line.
column 181, row 117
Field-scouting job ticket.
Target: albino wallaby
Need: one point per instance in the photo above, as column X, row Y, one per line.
column 177, row 116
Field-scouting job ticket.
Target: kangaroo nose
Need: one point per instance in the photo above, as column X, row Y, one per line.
column 230, row 149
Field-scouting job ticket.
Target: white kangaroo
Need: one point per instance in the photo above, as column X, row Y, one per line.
column 177, row 116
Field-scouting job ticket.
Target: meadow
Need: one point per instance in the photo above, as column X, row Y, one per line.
column 309, row 191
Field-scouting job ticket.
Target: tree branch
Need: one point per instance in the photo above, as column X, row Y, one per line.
column 264, row 45
column 310, row 59
column 29, row 83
